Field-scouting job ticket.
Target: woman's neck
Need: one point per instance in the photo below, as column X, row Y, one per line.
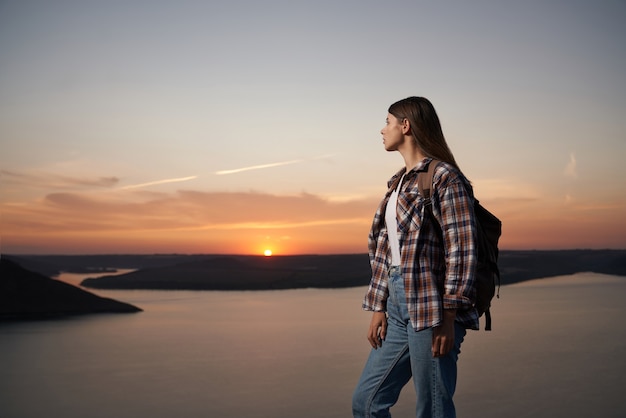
column 412, row 158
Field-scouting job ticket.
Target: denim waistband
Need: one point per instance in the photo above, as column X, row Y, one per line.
column 394, row 268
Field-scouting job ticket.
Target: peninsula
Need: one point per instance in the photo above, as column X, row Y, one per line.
column 26, row 294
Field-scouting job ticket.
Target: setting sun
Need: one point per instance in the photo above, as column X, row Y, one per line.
column 267, row 253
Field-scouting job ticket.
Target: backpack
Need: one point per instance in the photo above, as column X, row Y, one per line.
column 489, row 230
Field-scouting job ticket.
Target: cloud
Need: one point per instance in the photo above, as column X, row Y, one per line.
column 55, row 181
column 157, row 182
column 287, row 225
column 219, row 222
column 183, row 210
column 256, row 167
column 270, row 165
column 505, row 189
column 570, row 168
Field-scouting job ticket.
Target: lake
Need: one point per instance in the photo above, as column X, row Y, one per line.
column 558, row 349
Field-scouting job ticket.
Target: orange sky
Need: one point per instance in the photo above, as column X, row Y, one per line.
column 249, row 223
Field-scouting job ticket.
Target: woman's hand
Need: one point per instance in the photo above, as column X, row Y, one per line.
column 378, row 329
column 443, row 335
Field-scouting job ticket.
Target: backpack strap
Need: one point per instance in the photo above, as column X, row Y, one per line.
column 425, row 183
column 427, row 190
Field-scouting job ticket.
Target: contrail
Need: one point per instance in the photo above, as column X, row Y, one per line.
column 152, row 183
column 257, row 167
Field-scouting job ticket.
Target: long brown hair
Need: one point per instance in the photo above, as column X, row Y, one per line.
column 425, row 127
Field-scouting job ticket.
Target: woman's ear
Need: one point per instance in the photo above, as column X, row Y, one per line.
column 406, row 126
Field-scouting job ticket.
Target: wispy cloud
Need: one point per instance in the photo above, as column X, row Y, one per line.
column 256, row 167
column 189, row 210
column 55, row 181
column 188, row 221
column 571, row 167
column 364, row 220
column 505, row 189
column 157, row 182
column 198, row 221
column 270, row 165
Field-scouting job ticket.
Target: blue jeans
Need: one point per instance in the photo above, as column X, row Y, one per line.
column 406, row 353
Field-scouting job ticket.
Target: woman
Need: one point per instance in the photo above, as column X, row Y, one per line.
column 421, row 292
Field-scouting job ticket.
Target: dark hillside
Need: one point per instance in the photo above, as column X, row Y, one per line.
column 517, row 266
column 246, row 273
column 28, row 295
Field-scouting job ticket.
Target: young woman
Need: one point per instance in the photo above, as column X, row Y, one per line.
column 422, row 287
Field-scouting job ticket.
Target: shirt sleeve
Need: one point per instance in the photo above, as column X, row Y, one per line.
column 377, row 292
column 454, row 209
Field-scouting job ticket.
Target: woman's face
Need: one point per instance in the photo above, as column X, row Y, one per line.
column 392, row 133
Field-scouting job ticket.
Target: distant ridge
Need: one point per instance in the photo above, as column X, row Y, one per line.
column 517, row 266
column 28, row 295
column 237, row 272
column 246, row 273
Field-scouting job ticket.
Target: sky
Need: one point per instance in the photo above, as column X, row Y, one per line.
column 240, row 126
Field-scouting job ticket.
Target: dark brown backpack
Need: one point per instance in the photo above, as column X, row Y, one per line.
column 489, row 231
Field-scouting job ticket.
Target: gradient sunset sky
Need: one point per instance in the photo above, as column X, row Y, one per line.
column 238, row 126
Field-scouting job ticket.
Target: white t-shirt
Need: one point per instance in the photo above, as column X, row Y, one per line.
column 392, row 225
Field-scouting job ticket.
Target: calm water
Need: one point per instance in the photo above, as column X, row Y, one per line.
column 557, row 350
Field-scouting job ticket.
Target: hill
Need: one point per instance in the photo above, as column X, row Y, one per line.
column 28, row 295
column 246, row 273
column 517, row 266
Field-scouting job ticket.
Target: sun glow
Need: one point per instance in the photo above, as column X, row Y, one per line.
column 267, row 253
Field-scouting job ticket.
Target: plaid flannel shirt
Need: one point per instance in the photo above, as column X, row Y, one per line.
column 438, row 256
